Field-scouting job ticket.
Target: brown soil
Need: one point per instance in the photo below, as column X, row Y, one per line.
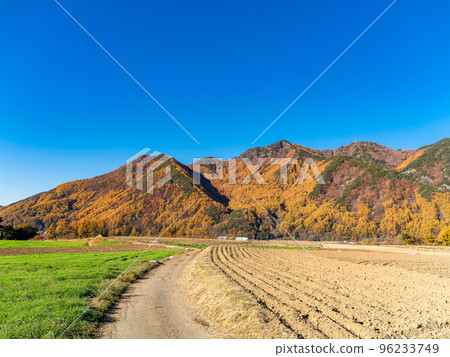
column 387, row 294
column 211, row 241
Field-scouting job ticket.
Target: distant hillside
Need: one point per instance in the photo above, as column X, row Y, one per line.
column 106, row 201
column 372, row 152
column 370, row 191
column 432, row 165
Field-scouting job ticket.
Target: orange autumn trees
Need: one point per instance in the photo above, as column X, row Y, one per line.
column 369, row 192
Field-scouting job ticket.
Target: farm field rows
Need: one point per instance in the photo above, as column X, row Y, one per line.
column 387, row 294
column 220, row 242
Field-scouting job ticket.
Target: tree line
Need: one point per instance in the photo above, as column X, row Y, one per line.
column 23, row 232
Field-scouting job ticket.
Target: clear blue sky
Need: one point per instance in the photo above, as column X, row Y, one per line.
column 225, row 70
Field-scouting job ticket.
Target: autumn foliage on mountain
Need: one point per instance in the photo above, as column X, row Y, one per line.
column 368, row 192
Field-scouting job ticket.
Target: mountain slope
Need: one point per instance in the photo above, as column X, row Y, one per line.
column 108, row 201
column 359, row 199
column 372, row 152
column 432, row 165
column 369, row 191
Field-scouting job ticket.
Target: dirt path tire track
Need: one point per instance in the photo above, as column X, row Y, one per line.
column 156, row 306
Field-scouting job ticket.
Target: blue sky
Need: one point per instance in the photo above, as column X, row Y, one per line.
column 225, row 70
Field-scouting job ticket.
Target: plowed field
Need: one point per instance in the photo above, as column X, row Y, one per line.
column 377, row 295
column 210, row 241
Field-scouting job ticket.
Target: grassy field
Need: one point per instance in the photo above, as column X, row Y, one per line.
column 112, row 242
column 38, row 243
column 40, row 295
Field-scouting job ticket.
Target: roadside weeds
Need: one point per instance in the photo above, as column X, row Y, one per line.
column 100, row 308
column 226, row 306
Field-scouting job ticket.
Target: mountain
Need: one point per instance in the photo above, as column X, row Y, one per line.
column 282, row 148
column 107, row 201
column 369, row 191
column 372, row 152
column 430, row 164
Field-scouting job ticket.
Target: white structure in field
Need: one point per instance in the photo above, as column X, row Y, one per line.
column 241, row 238
column 235, row 238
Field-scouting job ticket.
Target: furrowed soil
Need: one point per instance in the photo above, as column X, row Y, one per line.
column 210, row 241
column 362, row 294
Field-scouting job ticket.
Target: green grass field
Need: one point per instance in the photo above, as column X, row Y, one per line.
column 112, row 242
column 40, row 295
column 38, row 243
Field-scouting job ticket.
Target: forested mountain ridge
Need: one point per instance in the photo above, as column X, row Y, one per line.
column 431, row 165
column 369, row 191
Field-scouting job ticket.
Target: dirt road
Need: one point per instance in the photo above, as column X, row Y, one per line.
column 156, row 306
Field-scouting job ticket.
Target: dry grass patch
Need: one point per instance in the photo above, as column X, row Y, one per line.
column 227, row 307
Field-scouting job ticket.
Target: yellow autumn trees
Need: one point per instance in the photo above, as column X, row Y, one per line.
column 384, row 208
column 444, row 236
